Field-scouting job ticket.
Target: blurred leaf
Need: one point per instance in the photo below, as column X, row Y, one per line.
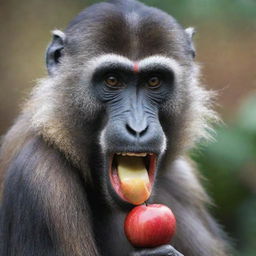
column 247, row 115
column 246, row 227
column 231, row 149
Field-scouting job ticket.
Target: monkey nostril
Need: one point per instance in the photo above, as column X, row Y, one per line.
column 143, row 132
column 130, row 130
column 136, row 132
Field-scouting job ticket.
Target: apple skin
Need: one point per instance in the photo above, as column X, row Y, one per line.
column 150, row 226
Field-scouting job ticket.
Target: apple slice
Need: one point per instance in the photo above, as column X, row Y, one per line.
column 134, row 179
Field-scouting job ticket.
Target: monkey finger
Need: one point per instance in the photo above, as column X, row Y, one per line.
column 164, row 250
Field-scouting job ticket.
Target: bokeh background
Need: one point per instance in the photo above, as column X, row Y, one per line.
column 226, row 47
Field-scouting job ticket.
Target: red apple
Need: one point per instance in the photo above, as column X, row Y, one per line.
column 150, row 226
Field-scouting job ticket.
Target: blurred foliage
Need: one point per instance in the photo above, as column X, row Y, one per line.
column 230, row 166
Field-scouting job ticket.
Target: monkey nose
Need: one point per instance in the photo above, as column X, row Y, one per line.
column 137, row 129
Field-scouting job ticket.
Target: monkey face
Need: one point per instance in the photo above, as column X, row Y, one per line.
column 132, row 94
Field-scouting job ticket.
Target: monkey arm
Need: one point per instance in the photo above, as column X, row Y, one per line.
column 44, row 209
column 165, row 250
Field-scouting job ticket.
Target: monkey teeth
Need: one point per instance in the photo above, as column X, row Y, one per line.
column 134, row 154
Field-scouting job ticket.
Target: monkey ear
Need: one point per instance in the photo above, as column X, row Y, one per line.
column 190, row 34
column 54, row 51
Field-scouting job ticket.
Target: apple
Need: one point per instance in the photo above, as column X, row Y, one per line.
column 150, row 225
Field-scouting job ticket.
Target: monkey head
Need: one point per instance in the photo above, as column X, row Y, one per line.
column 122, row 94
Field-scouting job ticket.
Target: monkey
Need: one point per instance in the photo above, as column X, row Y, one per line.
column 123, row 84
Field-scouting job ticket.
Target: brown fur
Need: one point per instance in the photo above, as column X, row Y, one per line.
column 64, row 201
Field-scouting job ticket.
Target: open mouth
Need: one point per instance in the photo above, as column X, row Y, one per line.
column 132, row 175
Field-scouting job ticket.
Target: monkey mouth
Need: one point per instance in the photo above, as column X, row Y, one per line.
column 132, row 175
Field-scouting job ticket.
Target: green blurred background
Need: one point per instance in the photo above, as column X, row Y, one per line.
column 226, row 47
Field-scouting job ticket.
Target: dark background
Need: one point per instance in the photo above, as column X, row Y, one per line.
column 226, row 48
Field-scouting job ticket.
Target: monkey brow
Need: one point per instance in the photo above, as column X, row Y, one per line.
column 160, row 63
column 152, row 63
column 156, row 67
column 109, row 67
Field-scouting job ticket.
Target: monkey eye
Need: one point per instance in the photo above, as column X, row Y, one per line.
column 154, row 82
column 113, row 82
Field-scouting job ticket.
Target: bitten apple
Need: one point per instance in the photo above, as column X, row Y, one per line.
column 150, row 225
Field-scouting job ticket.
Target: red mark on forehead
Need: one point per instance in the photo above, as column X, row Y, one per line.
column 136, row 67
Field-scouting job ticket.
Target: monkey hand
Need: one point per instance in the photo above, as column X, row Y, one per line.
column 164, row 250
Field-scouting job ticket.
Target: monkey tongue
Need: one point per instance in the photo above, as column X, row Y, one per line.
column 134, row 179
